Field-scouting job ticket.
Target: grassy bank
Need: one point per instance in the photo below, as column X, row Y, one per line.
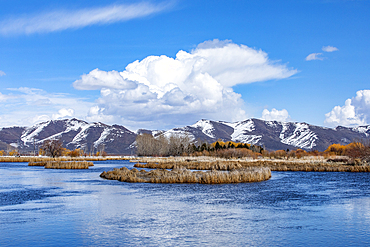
column 181, row 175
column 317, row 165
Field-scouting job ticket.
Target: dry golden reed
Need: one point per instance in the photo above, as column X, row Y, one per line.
column 181, row 175
column 274, row 165
column 62, row 164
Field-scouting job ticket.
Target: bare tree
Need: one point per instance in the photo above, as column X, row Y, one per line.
column 174, row 145
column 52, row 148
column 146, row 145
column 179, row 144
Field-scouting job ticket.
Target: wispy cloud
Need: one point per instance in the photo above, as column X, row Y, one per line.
column 2, row 73
column 27, row 106
column 72, row 19
column 329, row 48
column 314, row 56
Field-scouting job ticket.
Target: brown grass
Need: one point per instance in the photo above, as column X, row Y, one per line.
column 62, row 164
column 181, row 175
column 37, row 163
column 317, row 165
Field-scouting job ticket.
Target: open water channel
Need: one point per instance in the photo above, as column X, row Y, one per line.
column 42, row 207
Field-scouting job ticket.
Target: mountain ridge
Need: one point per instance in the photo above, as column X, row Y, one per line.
column 117, row 139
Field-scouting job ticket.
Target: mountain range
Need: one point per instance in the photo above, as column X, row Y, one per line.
column 116, row 139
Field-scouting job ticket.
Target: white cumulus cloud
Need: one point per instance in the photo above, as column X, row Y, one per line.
column 314, row 56
column 65, row 19
column 329, row 48
column 2, row 73
column 168, row 91
column 98, row 79
column 275, row 115
column 356, row 111
column 63, row 113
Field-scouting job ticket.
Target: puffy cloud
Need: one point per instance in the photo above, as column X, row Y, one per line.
column 356, row 111
column 314, row 56
column 193, row 85
column 66, row 19
column 63, row 113
column 329, row 48
column 98, row 79
column 281, row 116
column 2, row 73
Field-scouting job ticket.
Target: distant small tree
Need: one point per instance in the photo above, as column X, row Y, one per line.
column 217, row 146
column 76, row 153
column 53, row 148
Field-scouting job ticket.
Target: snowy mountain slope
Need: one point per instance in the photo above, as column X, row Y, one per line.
column 274, row 135
column 116, row 139
column 91, row 137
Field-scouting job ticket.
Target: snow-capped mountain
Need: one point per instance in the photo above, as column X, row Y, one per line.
column 116, row 139
column 273, row 135
column 91, row 137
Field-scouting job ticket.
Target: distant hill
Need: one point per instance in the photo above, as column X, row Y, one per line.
column 273, row 135
column 91, row 137
column 116, row 139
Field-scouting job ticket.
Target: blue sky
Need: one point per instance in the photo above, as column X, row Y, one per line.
column 306, row 61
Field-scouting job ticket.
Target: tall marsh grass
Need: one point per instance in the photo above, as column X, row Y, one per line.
column 318, row 165
column 62, row 164
column 181, row 175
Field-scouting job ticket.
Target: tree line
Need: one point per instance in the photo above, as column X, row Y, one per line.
column 177, row 145
column 183, row 145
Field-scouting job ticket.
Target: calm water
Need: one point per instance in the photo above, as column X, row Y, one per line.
column 76, row 207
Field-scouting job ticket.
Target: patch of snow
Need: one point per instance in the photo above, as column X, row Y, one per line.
column 285, row 127
column 29, row 134
column 178, row 132
column 302, row 136
column 82, row 134
column 102, row 137
column 132, row 145
column 251, row 139
column 271, row 124
column 362, row 130
column 14, row 145
column 206, row 127
column 74, row 125
column 157, row 132
column 241, row 129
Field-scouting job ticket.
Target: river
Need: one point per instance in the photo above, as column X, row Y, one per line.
column 44, row 207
